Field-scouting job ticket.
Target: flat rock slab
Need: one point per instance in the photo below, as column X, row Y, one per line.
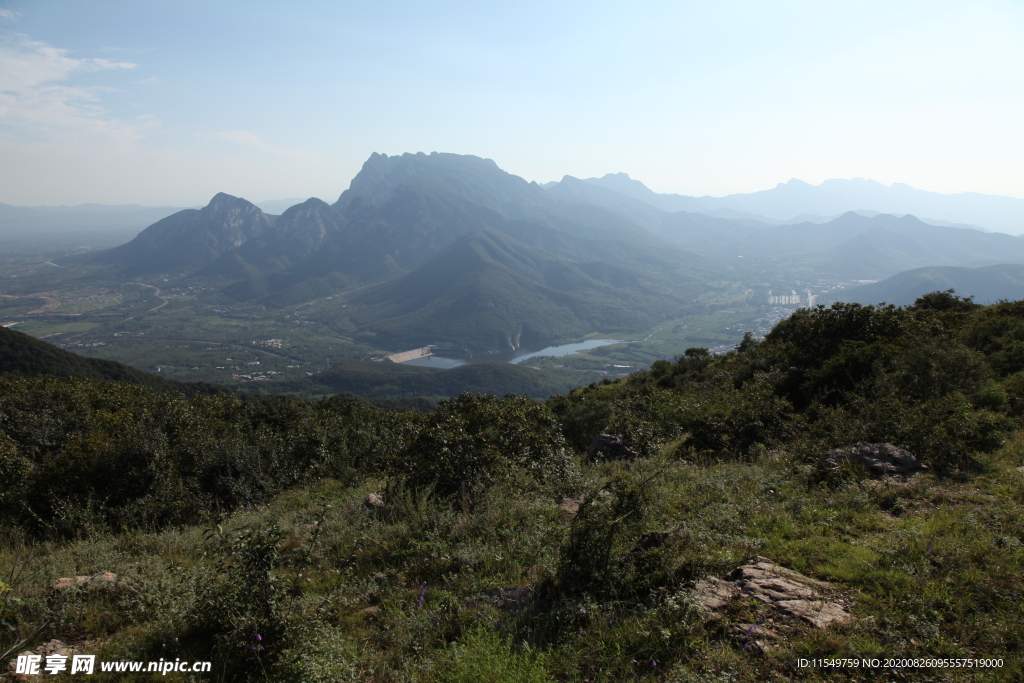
column 101, row 579
column 789, row 593
column 713, row 594
column 878, row 459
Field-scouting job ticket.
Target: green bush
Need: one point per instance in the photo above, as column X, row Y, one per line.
column 239, row 607
column 477, row 440
column 598, row 558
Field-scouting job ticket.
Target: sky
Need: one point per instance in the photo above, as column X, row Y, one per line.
column 169, row 102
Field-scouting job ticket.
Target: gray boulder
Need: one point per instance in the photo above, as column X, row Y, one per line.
column 878, row 459
column 611, row 447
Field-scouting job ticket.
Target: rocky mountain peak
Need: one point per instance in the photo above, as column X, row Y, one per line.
column 477, row 179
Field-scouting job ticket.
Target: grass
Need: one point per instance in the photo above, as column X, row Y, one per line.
column 929, row 568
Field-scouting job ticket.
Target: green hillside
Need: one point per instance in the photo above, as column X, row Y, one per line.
column 285, row 539
column 490, row 293
column 25, row 355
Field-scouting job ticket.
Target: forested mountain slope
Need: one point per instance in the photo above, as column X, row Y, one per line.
column 25, row 355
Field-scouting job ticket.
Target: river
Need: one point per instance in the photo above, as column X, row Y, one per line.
column 513, row 356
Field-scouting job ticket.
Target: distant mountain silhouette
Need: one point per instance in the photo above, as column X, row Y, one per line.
column 854, row 245
column 883, row 245
column 191, row 238
column 987, row 285
column 84, row 222
column 833, row 197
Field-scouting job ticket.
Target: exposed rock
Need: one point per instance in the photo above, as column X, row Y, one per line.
column 879, row 459
column 770, row 583
column 514, row 598
column 101, row 579
column 611, row 447
column 817, row 612
column 789, row 593
column 713, row 595
column 570, row 505
column 374, row 501
column 53, row 647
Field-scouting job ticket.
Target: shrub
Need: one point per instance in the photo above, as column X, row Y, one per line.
column 240, row 606
column 479, row 440
column 596, row 558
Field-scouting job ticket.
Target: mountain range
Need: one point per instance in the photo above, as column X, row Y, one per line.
column 835, row 196
column 445, row 248
column 438, row 247
column 850, row 246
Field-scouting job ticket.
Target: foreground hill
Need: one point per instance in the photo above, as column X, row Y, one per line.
column 386, row 380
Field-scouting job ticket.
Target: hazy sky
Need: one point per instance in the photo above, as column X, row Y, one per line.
column 169, row 102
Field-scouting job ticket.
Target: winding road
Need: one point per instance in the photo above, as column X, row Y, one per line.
column 156, row 293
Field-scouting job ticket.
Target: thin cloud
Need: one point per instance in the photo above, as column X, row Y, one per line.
column 248, row 139
column 39, row 100
column 9, row 14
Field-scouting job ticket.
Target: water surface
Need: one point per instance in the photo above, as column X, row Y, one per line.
column 514, row 356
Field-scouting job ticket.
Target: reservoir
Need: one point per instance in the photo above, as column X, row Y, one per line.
column 513, row 356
